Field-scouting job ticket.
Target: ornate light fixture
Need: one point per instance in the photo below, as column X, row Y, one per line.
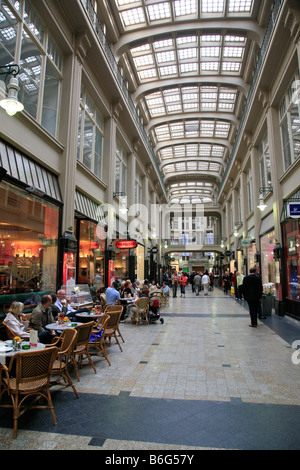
column 262, row 191
column 11, row 103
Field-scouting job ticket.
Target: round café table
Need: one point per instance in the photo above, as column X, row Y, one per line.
column 7, row 351
column 85, row 317
column 60, row 327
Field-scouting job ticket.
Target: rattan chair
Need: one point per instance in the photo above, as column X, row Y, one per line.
column 114, row 312
column 60, row 366
column 32, row 378
column 9, row 332
column 81, row 348
column 97, row 341
column 103, row 301
column 142, row 310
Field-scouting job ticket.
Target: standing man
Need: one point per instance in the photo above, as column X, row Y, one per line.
column 197, row 283
column 205, row 283
column 253, row 289
column 174, row 283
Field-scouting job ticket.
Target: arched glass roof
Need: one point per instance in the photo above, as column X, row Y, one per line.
column 189, row 65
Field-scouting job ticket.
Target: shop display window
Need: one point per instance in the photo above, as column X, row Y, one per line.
column 28, row 242
column 91, row 237
column 267, row 243
column 291, row 245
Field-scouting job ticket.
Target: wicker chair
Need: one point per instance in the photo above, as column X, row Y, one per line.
column 115, row 312
column 32, row 377
column 103, row 301
column 60, row 366
column 96, row 341
column 142, row 311
column 81, row 347
column 9, row 332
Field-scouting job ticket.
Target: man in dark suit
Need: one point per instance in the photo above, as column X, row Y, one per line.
column 253, row 289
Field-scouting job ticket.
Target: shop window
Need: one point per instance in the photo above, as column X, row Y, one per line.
column 121, row 169
column 28, row 242
column 267, row 243
column 91, row 253
column 291, row 234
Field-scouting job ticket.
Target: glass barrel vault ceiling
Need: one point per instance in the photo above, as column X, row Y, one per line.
column 189, row 65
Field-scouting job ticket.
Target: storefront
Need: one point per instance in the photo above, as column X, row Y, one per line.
column 30, row 203
column 129, row 261
column 267, row 262
column 89, row 229
column 291, row 257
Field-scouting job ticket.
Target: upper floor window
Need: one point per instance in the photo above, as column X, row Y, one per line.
column 249, row 190
column 90, row 135
column 121, row 169
column 264, row 162
column 26, row 41
column 290, row 123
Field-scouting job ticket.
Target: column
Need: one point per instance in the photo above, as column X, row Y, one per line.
column 255, row 186
column 276, row 163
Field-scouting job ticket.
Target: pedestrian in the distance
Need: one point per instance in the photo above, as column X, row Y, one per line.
column 252, row 290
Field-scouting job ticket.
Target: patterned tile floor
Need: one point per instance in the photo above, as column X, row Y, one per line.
column 201, row 380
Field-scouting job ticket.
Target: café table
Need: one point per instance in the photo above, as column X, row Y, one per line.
column 7, row 350
column 63, row 326
column 86, row 317
column 125, row 301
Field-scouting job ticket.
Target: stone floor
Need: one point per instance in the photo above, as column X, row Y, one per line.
column 201, row 380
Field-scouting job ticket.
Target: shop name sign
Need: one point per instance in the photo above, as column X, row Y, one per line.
column 294, row 210
column 121, row 244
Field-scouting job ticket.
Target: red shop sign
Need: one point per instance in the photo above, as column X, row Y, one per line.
column 126, row 244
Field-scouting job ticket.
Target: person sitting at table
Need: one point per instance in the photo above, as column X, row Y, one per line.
column 127, row 289
column 153, row 286
column 42, row 316
column 12, row 320
column 165, row 289
column 64, row 306
column 133, row 308
column 112, row 295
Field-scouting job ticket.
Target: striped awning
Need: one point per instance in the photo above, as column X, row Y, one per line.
column 28, row 171
column 88, row 208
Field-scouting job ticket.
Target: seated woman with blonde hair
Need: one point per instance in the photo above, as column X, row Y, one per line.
column 12, row 320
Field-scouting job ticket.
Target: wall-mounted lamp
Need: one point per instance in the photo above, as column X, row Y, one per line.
column 236, row 225
column 262, row 191
column 11, row 103
column 222, row 244
column 36, row 191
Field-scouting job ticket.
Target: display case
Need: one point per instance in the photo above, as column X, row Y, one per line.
column 78, row 295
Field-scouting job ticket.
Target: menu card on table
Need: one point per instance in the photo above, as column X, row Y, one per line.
column 33, row 338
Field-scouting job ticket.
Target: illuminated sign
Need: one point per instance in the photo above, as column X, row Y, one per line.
column 126, row 244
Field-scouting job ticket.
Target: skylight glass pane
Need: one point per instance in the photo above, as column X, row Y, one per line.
column 236, row 52
column 189, row 53
column 239, row 6
column 231, row 66
column 150, row 73
column 210, row 66
column 143, row 60
column 185, row 7
column 210, row 51
column 171, row 70
column 191, row 67
column 159, row 11
column 163, row 43
column 212, row 6
column 133, row 16
column 168, row 56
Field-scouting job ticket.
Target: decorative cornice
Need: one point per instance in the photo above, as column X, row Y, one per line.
column 82, row 44
column 292, row 22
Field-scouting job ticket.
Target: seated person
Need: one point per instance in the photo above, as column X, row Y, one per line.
column 64, row 306
column 112, row 295
column 133, row 308
column 12, row 320
column 42, row 316
column 127, row 289
column 165, row 289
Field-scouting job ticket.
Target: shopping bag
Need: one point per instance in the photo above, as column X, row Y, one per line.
column 232, row 291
